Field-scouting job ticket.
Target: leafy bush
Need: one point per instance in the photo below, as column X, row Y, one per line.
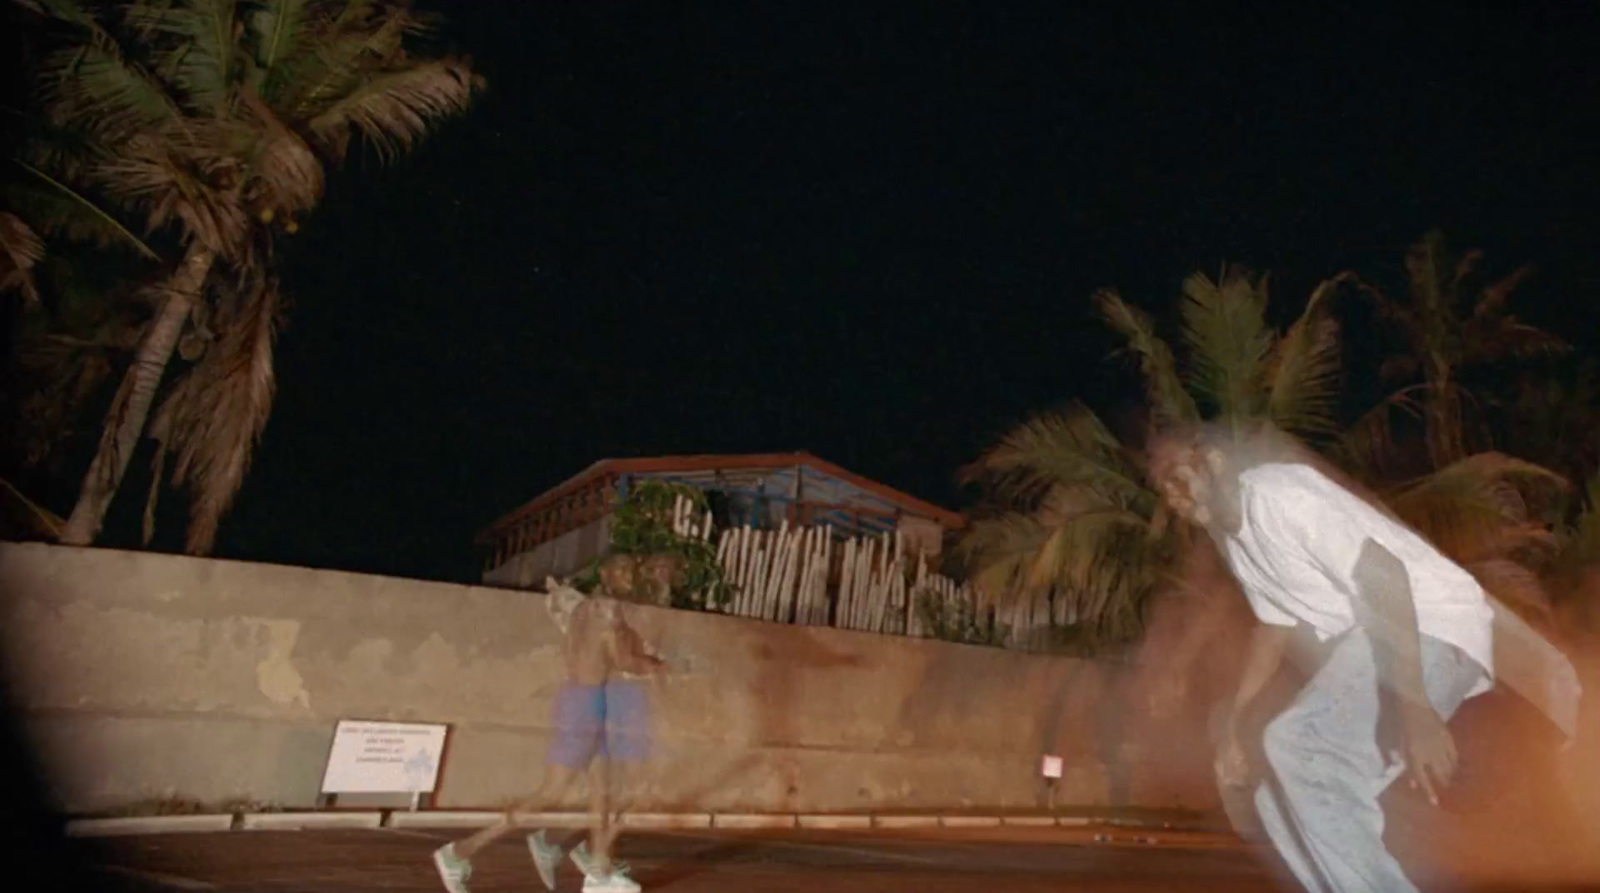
column 957, row 621
column 641, row 527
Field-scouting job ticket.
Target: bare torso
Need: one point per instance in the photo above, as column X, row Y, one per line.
column 600, row 645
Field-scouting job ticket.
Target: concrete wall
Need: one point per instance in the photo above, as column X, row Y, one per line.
column 144, row 675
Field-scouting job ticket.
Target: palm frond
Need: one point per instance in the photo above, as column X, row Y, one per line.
column 1080, row 546
column 1303, row 371
column 999, row 552
column 1228, row 341
column 214, row 416
column 20, row 250
column 63, row 351
column 1516, row 586
column 67, row 152
column 1487, row 339
column 1465, row 266
column 1485, row 506
column 287, row 175
column 1388, row 309
column 275, row 27
column 1425, row 269
column 62, row 385
column 1054, row 450
column 68, row 11
column 1113, row 591
column 158, row 176
column 90, row 84
column 59, row 210
column 1400, row 367
column 1370, row 445
column 199, row 54
column 1100, row 564
column 1493, row 300
column 40, row 519
column 392, row 111
column 362, row 38
column 1580, row 546
column 1170, row 403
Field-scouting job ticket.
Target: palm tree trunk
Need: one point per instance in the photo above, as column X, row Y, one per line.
column 1444, row 434
column 125, row 421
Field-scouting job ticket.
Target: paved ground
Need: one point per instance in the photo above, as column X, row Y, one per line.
column 1021, row 860
column 684, row 862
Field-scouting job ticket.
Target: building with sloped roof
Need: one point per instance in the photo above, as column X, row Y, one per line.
column 566, row 527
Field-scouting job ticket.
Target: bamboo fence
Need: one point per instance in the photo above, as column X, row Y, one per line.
column 814, row 577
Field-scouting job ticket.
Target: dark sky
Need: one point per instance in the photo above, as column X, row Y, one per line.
column 677, row 227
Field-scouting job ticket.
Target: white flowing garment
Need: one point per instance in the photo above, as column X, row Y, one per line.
column 1295, row 556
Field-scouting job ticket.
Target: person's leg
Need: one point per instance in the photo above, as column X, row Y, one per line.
column 1237, row 800
column 1278, row 826
column 557, row 779
column 597, row 858
column 1324, row 752
column 627, row 748
column 578, row 734
column 578, row 720
column 602, row 873
column 616, row 787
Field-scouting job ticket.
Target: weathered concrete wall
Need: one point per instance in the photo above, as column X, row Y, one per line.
column 146, row 675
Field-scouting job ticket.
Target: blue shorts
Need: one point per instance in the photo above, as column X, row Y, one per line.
column 611, row 720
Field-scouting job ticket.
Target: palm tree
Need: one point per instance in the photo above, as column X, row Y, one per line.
column 21, row 249
column 1070, row 510
column 1490, row 512
column 85, row 323
column 215, row 120
column 74, row 317
column 1444, row 338
column 1552, row 416
column 1574, row 574
column 1069, row 517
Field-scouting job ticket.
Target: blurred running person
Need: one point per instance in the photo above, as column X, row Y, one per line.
column 1398, row 626
column 601, row 719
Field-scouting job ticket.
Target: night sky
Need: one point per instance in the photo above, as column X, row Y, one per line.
column 675, row 228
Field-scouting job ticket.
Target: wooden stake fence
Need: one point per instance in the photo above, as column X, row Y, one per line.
column 810, row 576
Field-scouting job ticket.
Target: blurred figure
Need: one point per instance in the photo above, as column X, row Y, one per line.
column 1388, row 629
column 601, row 724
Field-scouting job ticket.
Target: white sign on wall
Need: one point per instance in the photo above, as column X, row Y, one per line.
column 1050, row 766
column 371, row 757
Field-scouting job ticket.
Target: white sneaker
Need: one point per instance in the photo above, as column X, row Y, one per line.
column 546, row 856
column 617, row 882
column 453, row 869
column 585, row 862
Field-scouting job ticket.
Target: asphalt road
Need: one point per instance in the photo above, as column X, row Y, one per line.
column 683, row 862
column 1020, row 860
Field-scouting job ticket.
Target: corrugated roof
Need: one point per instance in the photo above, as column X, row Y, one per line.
column 706, row 467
